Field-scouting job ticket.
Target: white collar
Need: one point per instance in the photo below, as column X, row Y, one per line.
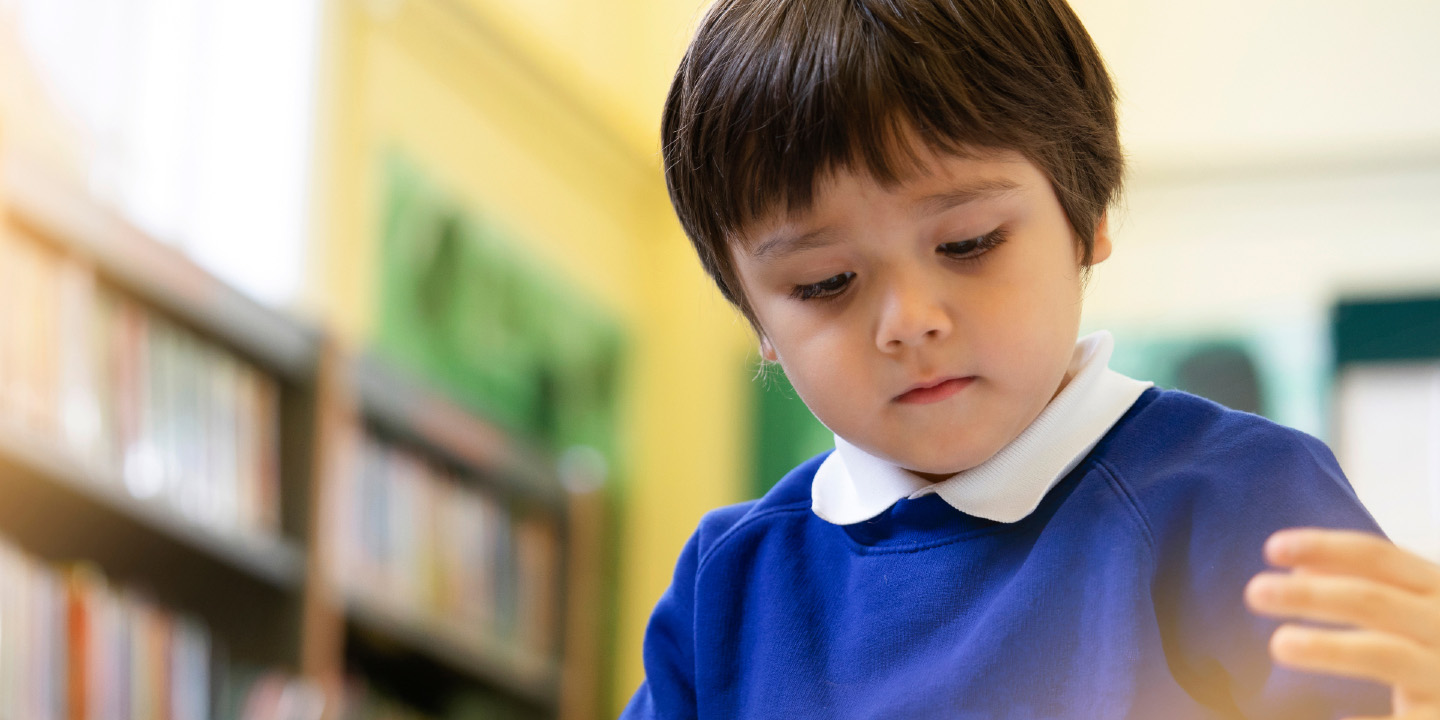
column 852, row 485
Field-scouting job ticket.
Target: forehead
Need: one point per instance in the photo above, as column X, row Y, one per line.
column 934, row 181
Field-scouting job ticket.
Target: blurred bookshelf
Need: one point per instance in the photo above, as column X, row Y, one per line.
column 210, row 510
column 447, row 537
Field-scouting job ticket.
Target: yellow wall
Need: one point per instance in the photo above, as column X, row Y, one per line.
column 614, row 57
column 485, row 97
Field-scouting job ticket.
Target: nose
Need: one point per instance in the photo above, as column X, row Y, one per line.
column 912, row 313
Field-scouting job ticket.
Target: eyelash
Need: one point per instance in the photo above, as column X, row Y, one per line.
column 974, row 249
column 825, row 289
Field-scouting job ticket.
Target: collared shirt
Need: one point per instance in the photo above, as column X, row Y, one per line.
column 852, row 485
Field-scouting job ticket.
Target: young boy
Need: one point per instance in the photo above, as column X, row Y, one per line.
column 903, row 198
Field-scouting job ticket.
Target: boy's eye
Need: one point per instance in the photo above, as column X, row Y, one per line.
column 973, row 248
column 826, row 288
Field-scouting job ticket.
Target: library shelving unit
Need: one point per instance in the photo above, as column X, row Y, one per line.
column 218, row 465
column 479, row 601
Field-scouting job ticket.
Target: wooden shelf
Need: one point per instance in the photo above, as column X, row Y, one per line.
column 526, row 676
column 413, row 413
column 416, row 413
column 268, row 597
column 270, row 559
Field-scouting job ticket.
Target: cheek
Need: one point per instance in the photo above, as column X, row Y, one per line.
column 800, row 335
column 815, row 365
column 1026, row 326
column 824, row 370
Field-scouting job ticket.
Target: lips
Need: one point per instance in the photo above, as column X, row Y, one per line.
column 935, row 391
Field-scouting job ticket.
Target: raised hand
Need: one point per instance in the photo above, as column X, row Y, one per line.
column 1385, row 600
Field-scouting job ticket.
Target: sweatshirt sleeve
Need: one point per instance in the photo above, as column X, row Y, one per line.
column 668, row 691
column 1210, row 520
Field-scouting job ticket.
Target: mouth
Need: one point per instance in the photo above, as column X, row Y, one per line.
column 935, row 391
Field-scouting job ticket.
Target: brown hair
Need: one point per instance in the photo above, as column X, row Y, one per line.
column 773, row 94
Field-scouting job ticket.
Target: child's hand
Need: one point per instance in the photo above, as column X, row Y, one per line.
column 1389, row 596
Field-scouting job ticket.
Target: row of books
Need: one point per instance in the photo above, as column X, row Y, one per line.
column 255, row 693
column 362, row 702
column 361, row 705
column 168, row 414
column 425, row 540
column 73, row 648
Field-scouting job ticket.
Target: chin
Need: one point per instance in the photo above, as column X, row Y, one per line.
column 929, row 453
column 946, row 465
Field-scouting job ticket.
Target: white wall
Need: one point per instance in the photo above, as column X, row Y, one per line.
column 193, row 117
column 1227, row 250
column 1284, row 154
column 1258, row 83
column 1389, row 435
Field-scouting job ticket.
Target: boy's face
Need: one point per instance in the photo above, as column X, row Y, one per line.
column 930, row 323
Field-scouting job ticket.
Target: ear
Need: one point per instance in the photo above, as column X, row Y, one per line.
column 767, row 350
column 1101, row 247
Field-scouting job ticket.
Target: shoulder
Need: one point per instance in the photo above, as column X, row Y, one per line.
column 787, row 501
column 1173, row 417
column 1177, row 452
column 1169, row 431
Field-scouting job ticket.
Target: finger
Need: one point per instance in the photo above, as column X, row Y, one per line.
column 1347, row 600
column 1347, row 552
column 1405, row 716
column 1428, row 712
column 1363, row 654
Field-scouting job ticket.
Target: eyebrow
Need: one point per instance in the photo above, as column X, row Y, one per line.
column 963, row 195
column 788, row 244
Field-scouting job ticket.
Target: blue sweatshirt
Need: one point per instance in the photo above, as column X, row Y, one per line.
column 1120, row 596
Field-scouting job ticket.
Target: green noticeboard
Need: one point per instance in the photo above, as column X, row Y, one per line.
column 1368, row 330
column 464, row 308
column 785, row 434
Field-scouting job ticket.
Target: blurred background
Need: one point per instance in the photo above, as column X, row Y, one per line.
column 353, row 364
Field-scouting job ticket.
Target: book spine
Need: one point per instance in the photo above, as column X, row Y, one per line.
column 136, row 406
column 226, row 450
column 537, row 575
column 21, row 262
column 246, row 446
column 105, row 369
column 78, row 411
column 81, row 620
column 44, row 380
column 267, row 430
column 164, row 411
column 187, row 441
column 9, row 334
